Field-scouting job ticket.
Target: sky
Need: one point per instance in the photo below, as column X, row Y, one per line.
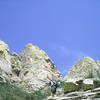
column 67, row 30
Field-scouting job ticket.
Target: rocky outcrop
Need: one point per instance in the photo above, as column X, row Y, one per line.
column 79, row 95
column 30, row 70
column 82, row 81
column 85, row 68
column 5, row 64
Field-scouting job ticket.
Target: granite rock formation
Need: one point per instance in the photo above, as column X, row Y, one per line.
column 82, row 81
column 85, row 68
column 30, row 70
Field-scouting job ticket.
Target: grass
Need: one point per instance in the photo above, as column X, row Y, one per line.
column 9, row 92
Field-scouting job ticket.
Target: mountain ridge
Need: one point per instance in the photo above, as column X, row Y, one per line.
column 28, row 69
column 31, row 71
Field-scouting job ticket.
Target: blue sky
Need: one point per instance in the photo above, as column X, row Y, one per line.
column 67, row 30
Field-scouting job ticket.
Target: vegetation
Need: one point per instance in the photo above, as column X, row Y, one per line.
column 9, row 92
column 70, row 87
column 87, row 87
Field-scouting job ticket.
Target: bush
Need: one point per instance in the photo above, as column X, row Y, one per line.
column 70, row 87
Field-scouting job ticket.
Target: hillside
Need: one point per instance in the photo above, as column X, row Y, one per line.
column 27, row 76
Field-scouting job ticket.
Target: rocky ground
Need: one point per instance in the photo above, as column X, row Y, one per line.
column 93, row 94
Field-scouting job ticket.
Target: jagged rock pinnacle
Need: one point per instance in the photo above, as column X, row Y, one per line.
column 3, row 46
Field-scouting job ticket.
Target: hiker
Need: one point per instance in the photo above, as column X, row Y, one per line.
column 53, row 85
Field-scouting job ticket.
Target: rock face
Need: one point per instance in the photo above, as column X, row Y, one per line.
column 29, row 70
column 85, row 68
column 83, row 81
column 32, row 70
column 79, row 95
column 5, row 64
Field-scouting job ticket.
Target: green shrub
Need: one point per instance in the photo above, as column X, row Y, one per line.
column 96, row 83
column 70, row 87
column 87, row 87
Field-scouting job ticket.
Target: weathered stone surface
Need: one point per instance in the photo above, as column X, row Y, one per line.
column 32, row 70
column 36, row 68
column 79, row 95
column 5, row 64
column 85, row 68
column 82, row 81
column 29, row 70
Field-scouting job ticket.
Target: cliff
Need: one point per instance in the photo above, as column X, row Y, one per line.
column 30, row 70
column 26, row 76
